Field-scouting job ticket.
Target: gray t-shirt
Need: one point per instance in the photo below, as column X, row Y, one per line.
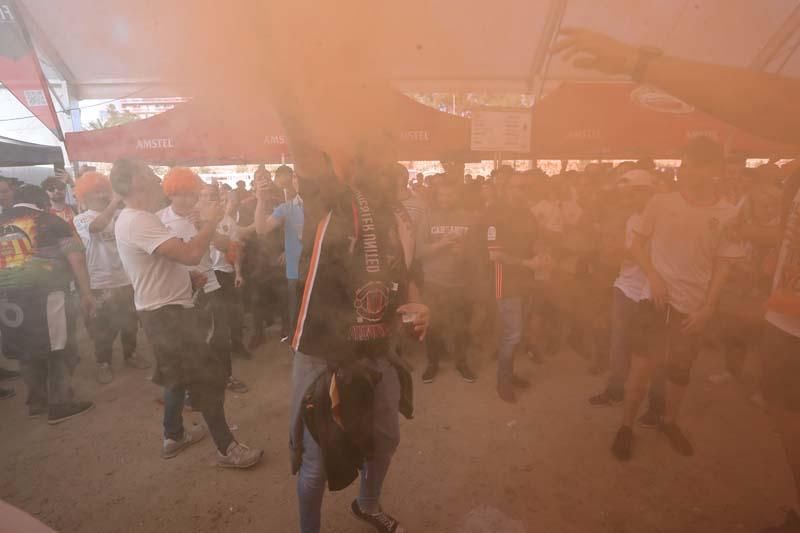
column 451, row 266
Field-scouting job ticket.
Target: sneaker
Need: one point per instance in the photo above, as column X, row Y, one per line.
column 520, row 382
column 37, row 410
column 430, row 373
column 506, row 392
column 650, row 420
column 677, row 439
column 790, row 525
column 64, row 411
column 8, row 375
column 381, row 521
column 605, row 399
column 621, row 447
column 137, row 362
column 466, row 373
column 171, row 447
column 234, row 385
column 5, row 394
column 104, row 373
column 239, row 456
column 239, row 350
column 256, row 341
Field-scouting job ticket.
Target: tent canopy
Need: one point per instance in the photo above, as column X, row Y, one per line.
column 15, row 153
column 117, row 47
column 197, row 134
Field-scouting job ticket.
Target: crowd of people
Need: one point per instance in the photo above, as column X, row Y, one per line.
column 634, row 267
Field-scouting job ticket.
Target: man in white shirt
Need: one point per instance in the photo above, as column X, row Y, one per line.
column 156, row 262
column 635, row 188
column 183, row 187
column 684, row 247
column 116, row 314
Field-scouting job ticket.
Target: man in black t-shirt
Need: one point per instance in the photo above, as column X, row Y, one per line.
column 359, row 279
column 510, row 238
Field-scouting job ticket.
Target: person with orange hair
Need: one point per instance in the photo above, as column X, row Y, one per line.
column 112, row 289
column 183, row 188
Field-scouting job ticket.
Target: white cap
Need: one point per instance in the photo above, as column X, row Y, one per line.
column 636, row 178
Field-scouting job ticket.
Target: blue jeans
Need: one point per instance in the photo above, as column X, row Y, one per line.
column 509, row 320
column 311, row 477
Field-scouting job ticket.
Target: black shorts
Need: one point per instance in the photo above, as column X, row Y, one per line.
column 183, row 357
column 780, row 353
column 34, row 322
column 658, row 334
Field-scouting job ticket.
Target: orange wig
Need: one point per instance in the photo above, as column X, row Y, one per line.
column 181, row 180
column 90, row 182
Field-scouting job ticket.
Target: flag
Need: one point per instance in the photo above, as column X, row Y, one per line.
column 20, row 71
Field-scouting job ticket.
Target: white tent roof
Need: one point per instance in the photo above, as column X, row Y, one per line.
column 107, row 49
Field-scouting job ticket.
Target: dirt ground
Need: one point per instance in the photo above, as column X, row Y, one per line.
column 467, row 462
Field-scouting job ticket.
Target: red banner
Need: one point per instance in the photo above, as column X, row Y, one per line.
column 20, row 71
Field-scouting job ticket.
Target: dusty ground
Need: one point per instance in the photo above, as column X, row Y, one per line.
column 542, row 465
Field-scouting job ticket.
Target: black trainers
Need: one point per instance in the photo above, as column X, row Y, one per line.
column 7, row 375
column 381, row 521
column 605, row 399
column 677, row 439
column 790, row 525
column 429, row 374
column 520, row 382
column 466, row 373
column 650, row 420
column 64, row 411
column 623, row 442
column 5, row 394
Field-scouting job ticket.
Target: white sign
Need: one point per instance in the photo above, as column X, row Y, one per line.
column 501, row 131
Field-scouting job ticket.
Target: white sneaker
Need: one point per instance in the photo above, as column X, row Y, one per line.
column 239, row 456
column 174, row 447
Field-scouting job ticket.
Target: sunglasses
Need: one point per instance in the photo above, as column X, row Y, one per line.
column 54, row 188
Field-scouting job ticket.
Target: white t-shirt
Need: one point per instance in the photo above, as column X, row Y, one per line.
column 219, row 262
column 685, row 240
column 157, row 281
column 184, row 229
column 632, row 280
column 102, row 257
column 787, row 272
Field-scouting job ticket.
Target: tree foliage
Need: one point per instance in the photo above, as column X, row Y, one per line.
column 114, row 117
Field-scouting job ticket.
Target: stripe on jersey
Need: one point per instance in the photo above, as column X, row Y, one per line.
column 322, row 227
